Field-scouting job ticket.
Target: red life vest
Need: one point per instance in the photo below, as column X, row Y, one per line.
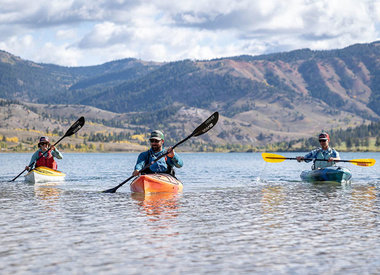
column 47, row 161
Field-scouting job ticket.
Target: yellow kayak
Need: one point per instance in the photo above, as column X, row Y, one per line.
column 44, row 174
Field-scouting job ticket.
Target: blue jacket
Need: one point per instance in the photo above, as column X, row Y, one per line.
column 161, row 165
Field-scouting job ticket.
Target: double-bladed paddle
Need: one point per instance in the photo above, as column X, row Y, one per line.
column 274, row 158
column 200, row 130
column 72, row 130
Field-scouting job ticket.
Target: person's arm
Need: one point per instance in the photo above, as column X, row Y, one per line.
column 32, row 160
column 309, row 156
column 140, row 163
column 334, row 156
column 56, row 153
column 174, row 159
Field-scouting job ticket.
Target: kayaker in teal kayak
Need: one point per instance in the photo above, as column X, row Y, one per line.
column 324, row 152
column 40, row 158
column 163, row 165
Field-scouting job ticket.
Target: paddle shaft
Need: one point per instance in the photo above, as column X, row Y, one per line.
column 43, row 154
column 200, row 130
column 113, row 190
column 166, row 153
column 18, row 175
column 46, row 152
column 72, row 130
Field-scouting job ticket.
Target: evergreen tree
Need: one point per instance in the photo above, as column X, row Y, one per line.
column 349, row 142
column 377, row 144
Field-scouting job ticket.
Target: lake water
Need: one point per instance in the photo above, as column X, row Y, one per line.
column 237, row 215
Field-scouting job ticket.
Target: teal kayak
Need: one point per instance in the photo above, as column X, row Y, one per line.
column 331, row 174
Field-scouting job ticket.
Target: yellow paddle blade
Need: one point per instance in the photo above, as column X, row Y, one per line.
column 273, row 158
column 363, row 162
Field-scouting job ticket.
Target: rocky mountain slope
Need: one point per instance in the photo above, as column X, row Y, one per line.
column 261, row 99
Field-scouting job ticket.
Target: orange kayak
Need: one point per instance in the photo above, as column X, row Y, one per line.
column 154, row 183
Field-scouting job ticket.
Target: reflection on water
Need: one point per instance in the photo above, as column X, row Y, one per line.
column 49, row 193
column 158, row 205
column 272, row 198
column 365, row 194
column 367, row 198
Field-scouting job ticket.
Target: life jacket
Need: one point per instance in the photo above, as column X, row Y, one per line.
column 321, row 154
column 47, row 160
column 161, row 166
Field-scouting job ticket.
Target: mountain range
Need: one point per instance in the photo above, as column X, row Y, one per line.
column 261, row 99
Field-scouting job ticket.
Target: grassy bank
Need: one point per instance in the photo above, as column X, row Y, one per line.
column 104, row 147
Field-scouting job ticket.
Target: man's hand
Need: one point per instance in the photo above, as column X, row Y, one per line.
column 170, row 152
column 299, row 159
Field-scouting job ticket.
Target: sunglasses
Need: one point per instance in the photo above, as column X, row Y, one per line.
column 154, row 141
column 323, row 140
column 44, row 143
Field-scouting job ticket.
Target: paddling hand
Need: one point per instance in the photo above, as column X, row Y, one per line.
column 136, row 173
column 170, row 152
column 333, row 159
column 27, row 168
column 299, row 159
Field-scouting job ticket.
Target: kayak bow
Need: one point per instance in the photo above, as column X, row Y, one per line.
column 328, row 174
column 44, row 174
column 154, row 183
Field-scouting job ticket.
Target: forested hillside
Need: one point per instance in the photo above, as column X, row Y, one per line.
column 48, row 83
column 107, row 131
column 262, row 99
column 360, row 138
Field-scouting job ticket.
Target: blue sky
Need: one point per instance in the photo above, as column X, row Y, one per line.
column 91, row 32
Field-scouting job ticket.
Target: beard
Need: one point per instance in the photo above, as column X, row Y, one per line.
column 156, row 147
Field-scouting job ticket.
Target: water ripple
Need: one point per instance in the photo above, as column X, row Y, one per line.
column 237, row 215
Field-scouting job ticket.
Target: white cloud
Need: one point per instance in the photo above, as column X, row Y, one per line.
column 65, row 55
column 84, row 32
column 18, row 43
column 66, row 34
column 103, row 35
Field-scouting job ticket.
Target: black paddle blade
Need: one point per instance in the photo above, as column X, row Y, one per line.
column 201, row 129
column 112, row 190
column 207, row 125
column 75, row 127
column 17, row 176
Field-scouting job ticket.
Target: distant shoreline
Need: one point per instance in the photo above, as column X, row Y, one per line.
column 179, row 151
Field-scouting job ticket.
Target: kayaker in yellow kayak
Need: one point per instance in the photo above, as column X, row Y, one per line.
column 324, row 152
column 47, row 159
column 163, row 165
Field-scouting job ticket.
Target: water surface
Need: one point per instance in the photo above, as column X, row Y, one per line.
column 237, row 215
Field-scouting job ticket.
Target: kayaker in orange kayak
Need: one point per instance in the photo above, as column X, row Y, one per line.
column 324, row 152
column 163, row 165
column 47, row 159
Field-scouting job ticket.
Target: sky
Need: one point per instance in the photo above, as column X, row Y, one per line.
column 92, row 32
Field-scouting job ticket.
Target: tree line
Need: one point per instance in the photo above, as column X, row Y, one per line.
column 352, row 138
